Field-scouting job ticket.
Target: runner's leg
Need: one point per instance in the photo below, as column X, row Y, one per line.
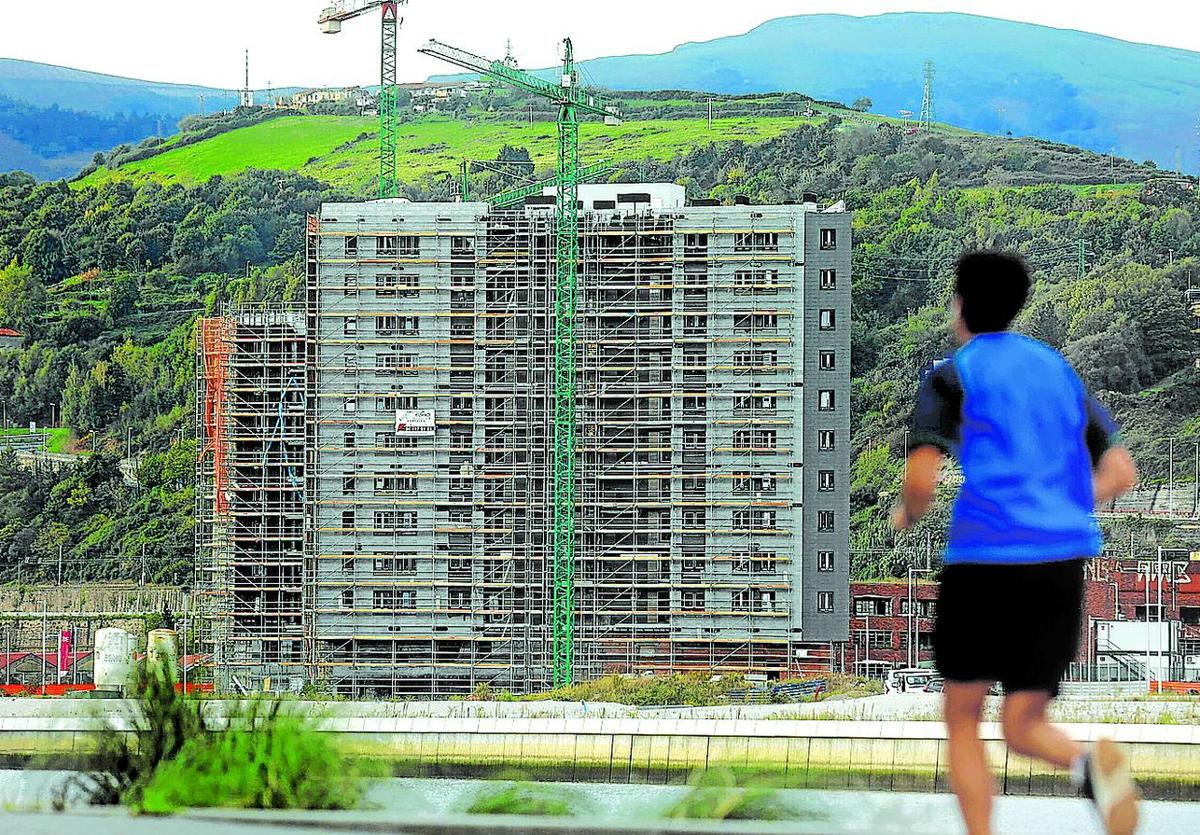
column 969, row 775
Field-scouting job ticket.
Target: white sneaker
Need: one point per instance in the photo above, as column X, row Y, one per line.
column 1111, row 788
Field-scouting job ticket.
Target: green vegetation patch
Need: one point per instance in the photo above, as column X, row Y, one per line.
column 259, row 759
column 695, row 689
column 263, row 761
column 718, row 794
column 287, row 143
column 59, row 440
column 525, row 799
column 335, row 150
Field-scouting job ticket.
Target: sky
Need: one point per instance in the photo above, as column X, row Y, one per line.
column 202, row 42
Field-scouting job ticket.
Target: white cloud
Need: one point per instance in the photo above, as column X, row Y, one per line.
column 202, row 43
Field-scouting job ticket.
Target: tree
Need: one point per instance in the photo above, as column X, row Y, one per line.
column 514, row 154
column 122, row 296
column 863, row 104
column 42, row 250
column 22, row 298
column 93, row 399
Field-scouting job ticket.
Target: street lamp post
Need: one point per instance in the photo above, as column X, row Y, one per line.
column 914, row 625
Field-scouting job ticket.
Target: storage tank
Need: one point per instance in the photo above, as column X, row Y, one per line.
column 115, row 669
column 162, row 648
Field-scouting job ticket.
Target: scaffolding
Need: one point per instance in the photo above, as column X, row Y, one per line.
column 250, row 496
column 427, row 412
column 429, row 549
column 686, row 533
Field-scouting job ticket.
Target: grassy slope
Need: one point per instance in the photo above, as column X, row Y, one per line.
column 286, row 143
column 434, row 145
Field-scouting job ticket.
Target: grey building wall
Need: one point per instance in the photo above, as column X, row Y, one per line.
column 700, row 453
column 826, row 287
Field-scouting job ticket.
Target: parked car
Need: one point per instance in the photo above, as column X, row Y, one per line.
column 907, row 680
column 935, row 685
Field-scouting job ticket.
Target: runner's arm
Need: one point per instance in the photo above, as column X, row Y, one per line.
column 920, row 484
column 1113, row 471
column 934, row 433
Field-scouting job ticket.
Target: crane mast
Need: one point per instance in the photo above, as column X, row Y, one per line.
column 566, row 211
column 331, row 21
column 571, row 100
column 389, row 184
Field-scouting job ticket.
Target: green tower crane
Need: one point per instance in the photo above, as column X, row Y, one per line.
column 331, row 21
column 571, row 101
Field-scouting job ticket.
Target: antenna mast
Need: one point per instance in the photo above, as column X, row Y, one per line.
column 247, row 94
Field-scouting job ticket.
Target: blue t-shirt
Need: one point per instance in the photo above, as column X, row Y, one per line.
column 1027, row 435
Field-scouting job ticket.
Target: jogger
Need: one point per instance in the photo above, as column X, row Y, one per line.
column 1038, row 453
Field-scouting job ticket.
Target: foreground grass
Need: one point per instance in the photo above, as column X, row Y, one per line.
column 718, row 794
column 525, row 799
column 264, row 761
column 261, row 759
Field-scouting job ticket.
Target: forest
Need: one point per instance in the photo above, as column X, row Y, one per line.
column 106, row 283
column 55, row 131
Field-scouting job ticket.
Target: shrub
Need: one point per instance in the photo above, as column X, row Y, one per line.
column 263, row 760
column 694, row 689
column 125, row 761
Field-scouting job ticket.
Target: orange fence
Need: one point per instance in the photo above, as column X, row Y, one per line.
column 63, row 689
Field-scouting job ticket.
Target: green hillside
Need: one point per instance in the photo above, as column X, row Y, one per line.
column 107, row 276
column 342, row 150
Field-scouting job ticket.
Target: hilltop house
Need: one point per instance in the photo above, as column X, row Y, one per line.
column 325, row 95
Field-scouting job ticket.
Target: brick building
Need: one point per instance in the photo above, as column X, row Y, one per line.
column 1116, row 590
column 881, row 629
column 1129, row 590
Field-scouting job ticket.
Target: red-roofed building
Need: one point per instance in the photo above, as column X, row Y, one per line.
column 8, row 660
column 10, row 338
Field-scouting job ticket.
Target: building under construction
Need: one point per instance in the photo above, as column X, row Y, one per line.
column 375, row 471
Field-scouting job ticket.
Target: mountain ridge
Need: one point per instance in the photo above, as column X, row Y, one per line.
column 992, row 75
column 104, row 110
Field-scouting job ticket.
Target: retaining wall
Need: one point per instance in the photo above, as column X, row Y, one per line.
column 882, row 755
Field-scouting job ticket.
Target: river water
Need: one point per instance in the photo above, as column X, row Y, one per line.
column 837, row 811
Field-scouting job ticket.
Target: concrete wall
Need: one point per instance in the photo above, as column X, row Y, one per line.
column 881, row 755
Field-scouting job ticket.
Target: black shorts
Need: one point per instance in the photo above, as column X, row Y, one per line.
column 1015, row 624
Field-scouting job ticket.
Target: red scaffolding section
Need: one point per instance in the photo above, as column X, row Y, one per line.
column 215, row 342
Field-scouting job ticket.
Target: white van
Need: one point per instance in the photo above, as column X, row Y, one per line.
column 908, row 680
